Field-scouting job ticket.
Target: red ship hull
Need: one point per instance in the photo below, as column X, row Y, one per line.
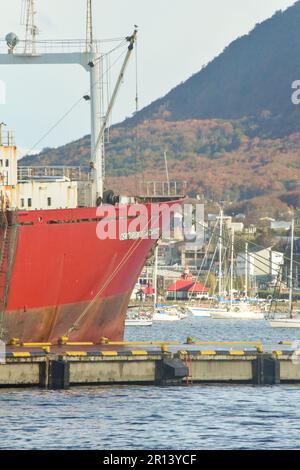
column 59, row 279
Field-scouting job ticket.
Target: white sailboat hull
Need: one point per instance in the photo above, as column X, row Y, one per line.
column 165, row 317
column 138, row 322
column 199, row 312
column 238, row 315
column 285, row 323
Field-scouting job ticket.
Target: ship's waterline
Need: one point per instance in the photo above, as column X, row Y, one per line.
column 104, row 318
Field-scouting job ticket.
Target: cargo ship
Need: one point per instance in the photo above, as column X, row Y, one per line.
column 58, row 278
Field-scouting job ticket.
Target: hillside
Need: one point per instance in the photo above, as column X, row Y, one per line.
column 231, row 130
column 216, row 158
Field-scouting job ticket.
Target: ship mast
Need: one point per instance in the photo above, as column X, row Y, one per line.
column 31, row 29
column 96, row 85
column 89, row 25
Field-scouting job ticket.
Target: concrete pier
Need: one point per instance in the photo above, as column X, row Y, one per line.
column 69, row 364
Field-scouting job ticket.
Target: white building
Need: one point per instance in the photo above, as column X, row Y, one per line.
column 280, row 225
column 264, row 262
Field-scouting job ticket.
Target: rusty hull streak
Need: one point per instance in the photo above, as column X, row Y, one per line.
column 7, row 267
column 106, row 317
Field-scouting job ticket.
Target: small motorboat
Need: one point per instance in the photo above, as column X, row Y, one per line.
column 138, row 318
column 165, row 314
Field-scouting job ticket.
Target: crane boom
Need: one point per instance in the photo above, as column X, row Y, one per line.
column 131, row 40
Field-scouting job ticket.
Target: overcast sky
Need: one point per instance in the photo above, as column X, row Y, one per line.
column 176, row 37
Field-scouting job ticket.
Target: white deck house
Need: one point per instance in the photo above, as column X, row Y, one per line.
column 33, row 188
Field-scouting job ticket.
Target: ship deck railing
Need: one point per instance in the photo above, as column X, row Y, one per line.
column 54, row 46
column 74, row 173
column 163, row 189
column 6, row 137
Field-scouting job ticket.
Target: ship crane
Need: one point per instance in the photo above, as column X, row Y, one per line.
column 99, row 142
column 85, row 53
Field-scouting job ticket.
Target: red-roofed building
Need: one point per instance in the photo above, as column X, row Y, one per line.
column 148, row 290
column 184, row 289
column 144, row 293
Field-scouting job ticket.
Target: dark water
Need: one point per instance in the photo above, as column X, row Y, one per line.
column 193, row 417
column 206, row 417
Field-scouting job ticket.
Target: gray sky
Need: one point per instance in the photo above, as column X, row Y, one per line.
column 176, row 37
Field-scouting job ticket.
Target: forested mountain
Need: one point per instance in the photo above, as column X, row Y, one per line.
column 231, row 130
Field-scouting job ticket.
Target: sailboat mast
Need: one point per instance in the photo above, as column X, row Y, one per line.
column 291, row 270
column 167, row 172
column 246, row 270
column 231, row 269
column 220, row 253
column 155, row 276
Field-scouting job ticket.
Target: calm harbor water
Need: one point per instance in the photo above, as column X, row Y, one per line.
column 135, row 417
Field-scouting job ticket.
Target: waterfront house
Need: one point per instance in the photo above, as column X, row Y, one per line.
column 185, row 289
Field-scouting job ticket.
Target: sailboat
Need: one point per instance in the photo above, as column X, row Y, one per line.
column 291, row 321
column 242, row 310
column 163, row 313
column 206, row 312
